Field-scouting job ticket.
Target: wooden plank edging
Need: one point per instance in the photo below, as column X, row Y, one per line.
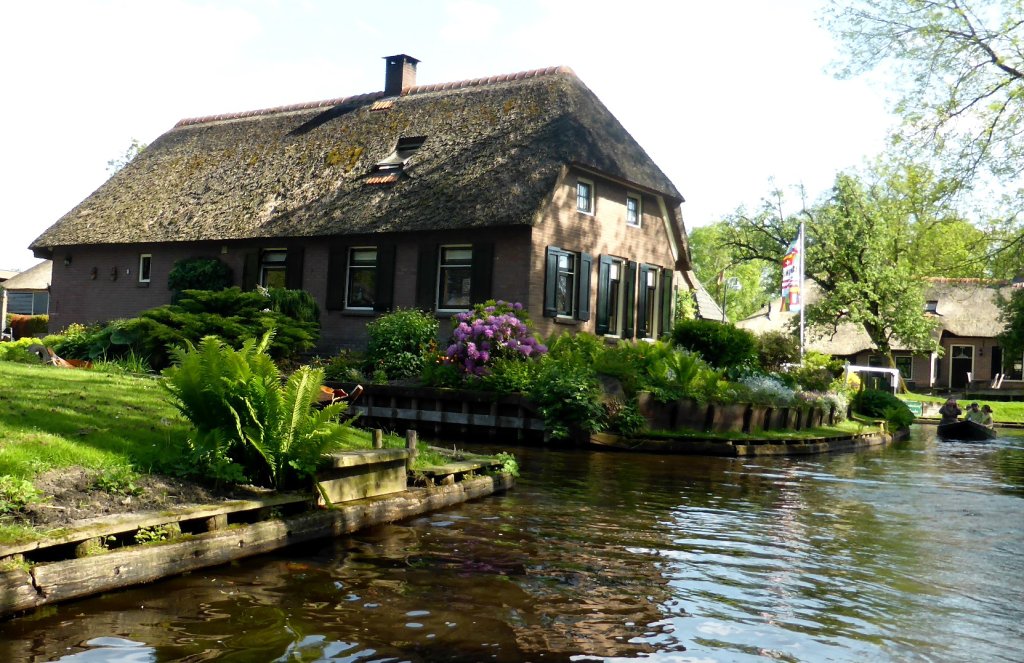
column 47, row 583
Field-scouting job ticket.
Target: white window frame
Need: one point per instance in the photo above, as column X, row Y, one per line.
column 639, row 209
column 654, row 320
column 143, row 259
column 592, row 198
column 619, row 289
column 348, row 274
column 440, row 275
column 263, row 264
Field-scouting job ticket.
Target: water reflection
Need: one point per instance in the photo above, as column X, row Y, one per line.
column 908, row 553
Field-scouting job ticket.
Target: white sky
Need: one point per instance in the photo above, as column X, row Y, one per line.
column 724, row 95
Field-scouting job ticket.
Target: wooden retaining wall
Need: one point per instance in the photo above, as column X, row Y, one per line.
column 742, row 448
column 102, row 555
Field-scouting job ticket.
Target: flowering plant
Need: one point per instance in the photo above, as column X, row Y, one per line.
column 491, row 331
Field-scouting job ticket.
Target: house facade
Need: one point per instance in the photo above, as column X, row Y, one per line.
column 520, row 187
column 966, row 315
column 26, row 293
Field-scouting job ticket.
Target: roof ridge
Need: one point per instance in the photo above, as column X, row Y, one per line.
column 373, row 96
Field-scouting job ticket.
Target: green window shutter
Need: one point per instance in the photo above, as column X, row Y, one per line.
column 337, row 263
column 426, row 278
column 642, row 323
column 384, row 298
column 293, row 268
column 480, row 284
column 250, row 270
column 603, row 295
column 667, row 299
column 629, row 301
column 583, row 292
column 551, row 282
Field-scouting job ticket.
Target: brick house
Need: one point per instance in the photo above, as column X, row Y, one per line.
column 521, row 187
column 966, row 314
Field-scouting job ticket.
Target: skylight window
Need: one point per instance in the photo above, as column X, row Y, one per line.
column 407, row 146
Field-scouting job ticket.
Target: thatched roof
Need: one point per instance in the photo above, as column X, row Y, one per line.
column 494, row 149
column 35, row 278
column 963, row 307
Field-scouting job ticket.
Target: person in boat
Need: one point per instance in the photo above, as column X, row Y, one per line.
column 973, row 413
column 986, row 416
column 949, row 412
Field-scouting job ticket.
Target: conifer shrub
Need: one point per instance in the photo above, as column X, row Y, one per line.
column 884, row 405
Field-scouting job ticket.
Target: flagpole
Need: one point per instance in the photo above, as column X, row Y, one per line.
column 803, row 293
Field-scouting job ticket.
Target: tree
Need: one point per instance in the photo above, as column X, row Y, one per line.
column 714, row 262
column 958, row 69
column 134, row 149
column 868, row 245
column 1012, row 337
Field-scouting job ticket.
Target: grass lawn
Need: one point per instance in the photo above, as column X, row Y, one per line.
column 1002, row 411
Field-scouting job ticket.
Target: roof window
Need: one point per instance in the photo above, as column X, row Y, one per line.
column 407, row 146
column 931, row 306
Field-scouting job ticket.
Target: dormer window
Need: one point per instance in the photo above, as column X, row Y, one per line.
column 931, row 306
column 407, row 146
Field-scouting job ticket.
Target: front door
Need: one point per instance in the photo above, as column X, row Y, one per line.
column 997, row 361
column 961, row 362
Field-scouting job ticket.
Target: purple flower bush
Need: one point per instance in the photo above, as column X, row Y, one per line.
column 494, row 330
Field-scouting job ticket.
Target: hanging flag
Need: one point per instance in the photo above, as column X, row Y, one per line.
column 792, row 270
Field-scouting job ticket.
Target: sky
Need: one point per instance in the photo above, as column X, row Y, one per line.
column 730, row 98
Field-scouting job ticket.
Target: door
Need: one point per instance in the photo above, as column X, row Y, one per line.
column 997, row 361
column 961, row 362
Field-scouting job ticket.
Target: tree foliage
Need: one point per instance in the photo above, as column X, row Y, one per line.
column 713, row 257
column 869, row 243
column 134, row 149
column 1012, row 337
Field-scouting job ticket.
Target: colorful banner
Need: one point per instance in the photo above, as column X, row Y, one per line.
column 792, row 271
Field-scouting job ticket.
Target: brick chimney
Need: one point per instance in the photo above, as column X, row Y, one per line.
column 401, row 73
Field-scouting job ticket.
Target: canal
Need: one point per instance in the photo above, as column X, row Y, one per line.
column 910, row 553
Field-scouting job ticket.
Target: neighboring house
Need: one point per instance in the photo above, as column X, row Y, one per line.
column 967, row 317
column 28, row 292
column 520, row 187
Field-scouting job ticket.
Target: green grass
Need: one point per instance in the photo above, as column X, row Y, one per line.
column 1002, row 411
column 853, row 426
column 52, row 418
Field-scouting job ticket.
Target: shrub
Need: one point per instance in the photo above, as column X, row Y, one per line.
column 623, row 417
column 721, row 345
column 17, row 351
column 231, row 314
column 72, row 343
column 817, row 372
column 491, row 331
column 877, row 403
column 775, row 349
column 247, row 424
column 398, row 341
column 568, row 395
column 767, row 390
column 199, row 274
column 295, row 304
column 25, row 326
column 344, row 367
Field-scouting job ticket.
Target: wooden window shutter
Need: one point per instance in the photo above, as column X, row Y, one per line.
column 629, row 301
column 426, row 278
column 384, row 298
column 583, row 292
column 604, row 266
column 551, row 282
column 337, row 263
column 643, row 325
column 667, row 299
column 293, row 268
column 481, row 277
column 250, row 270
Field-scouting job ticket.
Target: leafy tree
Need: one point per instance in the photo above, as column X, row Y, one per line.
column 714, row 258
column 958, row 69
column 1012, row 337
column 134, row 149
column 867, row 246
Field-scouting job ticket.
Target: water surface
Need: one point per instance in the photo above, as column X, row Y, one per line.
column 911, row 553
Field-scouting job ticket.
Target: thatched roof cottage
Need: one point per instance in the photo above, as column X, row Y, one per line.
column 521, row 187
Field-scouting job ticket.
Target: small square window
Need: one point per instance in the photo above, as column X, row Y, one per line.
column 145, row 267
column 931, row 306
column 633, row 210
column 585, row 196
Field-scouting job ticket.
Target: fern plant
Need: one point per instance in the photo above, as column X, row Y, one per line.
column 247, row 424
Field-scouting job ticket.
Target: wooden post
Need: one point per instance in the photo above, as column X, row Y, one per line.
column 410, row 444
column 378, row 438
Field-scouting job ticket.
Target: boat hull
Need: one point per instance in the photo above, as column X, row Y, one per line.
column 966, row 430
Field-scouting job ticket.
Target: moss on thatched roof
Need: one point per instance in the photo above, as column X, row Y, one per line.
column 494, row 149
